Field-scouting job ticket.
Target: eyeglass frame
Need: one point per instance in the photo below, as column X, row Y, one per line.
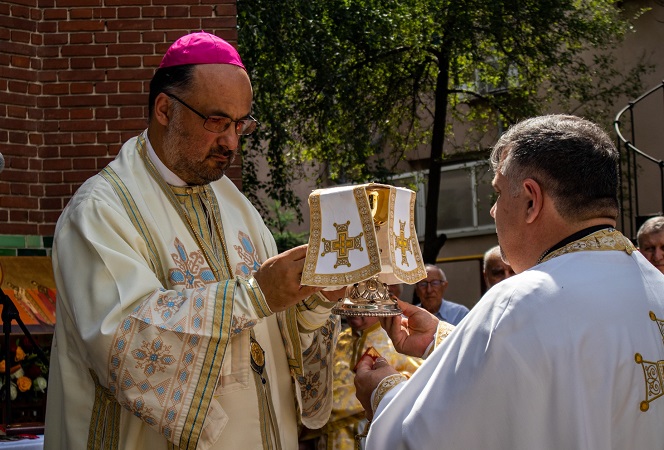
column 205, row 118
column 424, row 284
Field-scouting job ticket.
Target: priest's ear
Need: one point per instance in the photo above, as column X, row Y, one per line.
column 535, row 198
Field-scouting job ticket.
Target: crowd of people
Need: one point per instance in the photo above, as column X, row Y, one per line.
column 180, row 326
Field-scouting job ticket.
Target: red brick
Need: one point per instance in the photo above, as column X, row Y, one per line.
column 129, row 12
column 153, row 36
column 55, row 14
column 130, row 37
column 129, row 61
column 56, row 64
column 54, row 190
column 81, row 114
column 57, row 164
column 48, row 152
column 81, row 38
column 108, row 138
column 35, row 216
column 131, row 74
column 170, row 24
column 21, row 61
column 18, row 215
column 106, row 38
column 80, row 13
column 88, row 150
column 83, row 100
column 82, row 125
column 81, row 63
column 85, row 163
column 202, row 11
column 219, row 22
column 18, row 112
column 134, row 24
column 106, row 113
column 131, row 86
column 20, row 36
column 48, row 229
column 103, row 162
column 50, row 203
column 106, row 63
column 82, row 75
column 36, row 190
column 19, row 162
column 84, row 138
column 83, row 50
column 153, row 11
column 19, row 202
column 19, row 87
column 56, row 89
column 177, row 11
column 36, row 139
column 34, row 89
column 56, row 114
column 127, row 124
column 81, row 88
column 47, row 27
column 79, row 176
column 57, row 139
column 129, row 49
column 50, row 177
column 76, row 3
column 18, row 137
column 131, row 112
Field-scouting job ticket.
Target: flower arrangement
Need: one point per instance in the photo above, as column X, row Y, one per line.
column 28, row 372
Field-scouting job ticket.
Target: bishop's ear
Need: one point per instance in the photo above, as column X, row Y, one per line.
column 162, row 111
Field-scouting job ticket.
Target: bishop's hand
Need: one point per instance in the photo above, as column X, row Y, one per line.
column 279, row 279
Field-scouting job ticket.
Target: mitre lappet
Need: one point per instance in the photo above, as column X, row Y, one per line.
column 363, row 237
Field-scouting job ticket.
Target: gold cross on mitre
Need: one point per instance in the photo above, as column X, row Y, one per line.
column 342, row 244
column 653, row 371
column 402, row 242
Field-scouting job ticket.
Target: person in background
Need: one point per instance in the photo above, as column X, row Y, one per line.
column 179, row 325
column 650, row 239
column 395, row 290
column 494, row 269
column 564, row 354
column 430, row 292
column 348, row 417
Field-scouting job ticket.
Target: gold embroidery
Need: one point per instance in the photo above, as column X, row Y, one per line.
column 403, row 243
column 342, row 244
column 602, row 240
column 386, row 386
column 653, row 371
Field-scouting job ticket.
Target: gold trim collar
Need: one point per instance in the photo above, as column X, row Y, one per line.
column 606, row 239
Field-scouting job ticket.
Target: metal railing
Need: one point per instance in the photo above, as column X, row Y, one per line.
column 631, row 160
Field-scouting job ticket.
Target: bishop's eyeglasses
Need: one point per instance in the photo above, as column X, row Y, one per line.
column 219, row 124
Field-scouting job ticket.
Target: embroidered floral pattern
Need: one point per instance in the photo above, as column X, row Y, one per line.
column 167, row 305
column 152, row 357
column 139, row 409
column 241, row 323
column 190, row 271
column 310, row 384
column 248, row 254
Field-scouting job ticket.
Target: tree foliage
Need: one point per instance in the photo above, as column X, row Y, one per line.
column 354, row 85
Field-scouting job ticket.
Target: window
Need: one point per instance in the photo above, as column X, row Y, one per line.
column 466, row 197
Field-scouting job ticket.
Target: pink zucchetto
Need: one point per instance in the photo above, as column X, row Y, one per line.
column 201, row 48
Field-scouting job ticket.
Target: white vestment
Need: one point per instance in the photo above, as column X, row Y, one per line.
column 157, row 327
column 566, row 355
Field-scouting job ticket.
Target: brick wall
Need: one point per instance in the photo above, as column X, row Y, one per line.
column 74, row 83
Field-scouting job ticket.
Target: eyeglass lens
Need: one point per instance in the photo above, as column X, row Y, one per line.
column 433, row 283
column 219, row 124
